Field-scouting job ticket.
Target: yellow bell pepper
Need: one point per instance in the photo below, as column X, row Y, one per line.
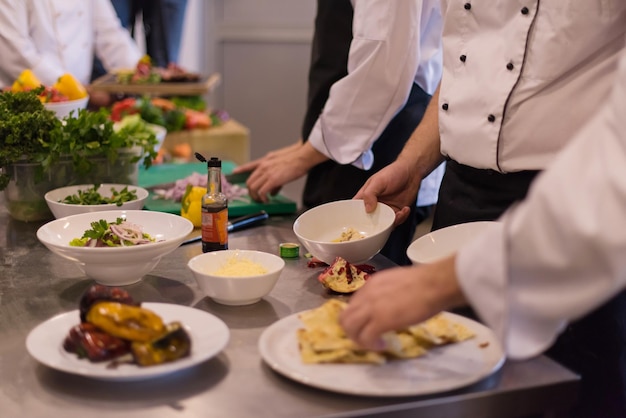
column 27, row 80
column 191, row 204
column 125, row 321
column 69, row 86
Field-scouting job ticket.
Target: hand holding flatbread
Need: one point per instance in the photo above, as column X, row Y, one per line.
column 322, row 340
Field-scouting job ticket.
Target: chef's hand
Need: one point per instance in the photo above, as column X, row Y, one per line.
column 396, row 298
column 280, row 167
column 395, row 185
column 252, row 165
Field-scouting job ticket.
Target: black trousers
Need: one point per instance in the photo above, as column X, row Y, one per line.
column 594, row 346
column 469, row 194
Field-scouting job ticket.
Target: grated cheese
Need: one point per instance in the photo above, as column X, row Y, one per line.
column 240, row 267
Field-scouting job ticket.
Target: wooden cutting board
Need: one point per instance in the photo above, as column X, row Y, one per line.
column 168, row 173
column 206, row 84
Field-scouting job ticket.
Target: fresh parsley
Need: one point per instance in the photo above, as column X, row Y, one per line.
column 91, row 196
column 100, row 231
column 27, row 130
column 31, row 134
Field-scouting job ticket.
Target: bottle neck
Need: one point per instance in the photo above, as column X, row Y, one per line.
column 214, row 184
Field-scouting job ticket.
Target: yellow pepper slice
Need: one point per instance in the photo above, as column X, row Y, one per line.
column 126, row 321
column 69, row 86
column 191, row 204
column 27, row 80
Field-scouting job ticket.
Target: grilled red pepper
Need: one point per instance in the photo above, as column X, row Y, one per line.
column 86, row 340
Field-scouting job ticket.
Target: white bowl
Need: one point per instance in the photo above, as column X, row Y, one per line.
column 60, row 210
column 239, row 290
column 63, row 109
column 446, row 241
column 116, row 266
column 318, row 227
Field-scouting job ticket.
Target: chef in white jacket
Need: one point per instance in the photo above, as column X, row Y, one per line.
column 374, row 66
column 53, row 37
column 520, row 81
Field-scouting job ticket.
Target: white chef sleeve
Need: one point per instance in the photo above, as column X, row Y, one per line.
column 18, row 50
column 382, row 63
column 562, row 252
column 113, row 44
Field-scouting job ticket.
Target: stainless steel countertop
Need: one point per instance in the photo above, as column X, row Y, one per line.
column 36, row 284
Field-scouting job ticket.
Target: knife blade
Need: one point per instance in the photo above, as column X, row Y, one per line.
column 247, row 221
column 237, row 224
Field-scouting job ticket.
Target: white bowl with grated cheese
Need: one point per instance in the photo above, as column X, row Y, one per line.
column 236, row 277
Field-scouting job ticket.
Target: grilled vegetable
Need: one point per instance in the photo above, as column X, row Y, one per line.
column 124, row 321
column 86, row 340
column 173, row 344
column 100, row 293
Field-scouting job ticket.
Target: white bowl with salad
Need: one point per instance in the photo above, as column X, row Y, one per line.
column 117, row 247
column 84, row 198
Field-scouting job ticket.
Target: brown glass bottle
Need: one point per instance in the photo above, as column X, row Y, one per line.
column 214, row 210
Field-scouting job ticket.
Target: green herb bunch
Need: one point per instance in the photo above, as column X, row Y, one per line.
column 27, row 130
column 30, row 133
column 91, row 134
column 91, row 196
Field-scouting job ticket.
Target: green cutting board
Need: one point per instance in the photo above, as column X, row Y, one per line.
column 169, row 173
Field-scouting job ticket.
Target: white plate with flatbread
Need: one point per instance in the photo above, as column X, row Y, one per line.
column 441, row 369
column 209, row 335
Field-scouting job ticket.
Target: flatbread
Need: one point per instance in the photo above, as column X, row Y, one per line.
column 322, row 340
column 438, row 330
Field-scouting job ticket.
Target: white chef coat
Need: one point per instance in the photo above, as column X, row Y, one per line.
column 562, row 252
column 522, row 77
column 395, row 44
column 52, row 37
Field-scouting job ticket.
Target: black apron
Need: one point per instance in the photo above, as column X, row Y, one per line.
column 330, row 181
column 594, row 346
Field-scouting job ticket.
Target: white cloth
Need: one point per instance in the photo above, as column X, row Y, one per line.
column 395, row 44
column 428, row 193
column 562, row 252
column 563, row 55
column 52, row 37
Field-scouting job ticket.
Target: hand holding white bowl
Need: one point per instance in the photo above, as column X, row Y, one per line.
column 319, row 228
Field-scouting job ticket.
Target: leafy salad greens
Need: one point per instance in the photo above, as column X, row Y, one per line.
column 91, row 196
column 119, row 233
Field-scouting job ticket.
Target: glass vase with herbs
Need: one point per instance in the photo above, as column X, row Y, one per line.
column 39, row 152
